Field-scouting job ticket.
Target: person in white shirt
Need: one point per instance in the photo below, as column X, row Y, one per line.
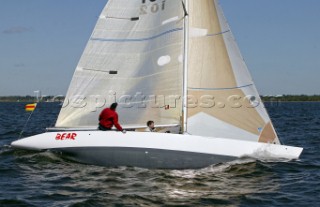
column 150, row 127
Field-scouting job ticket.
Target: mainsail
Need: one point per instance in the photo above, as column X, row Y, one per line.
column 135, row 57
column 223, row 100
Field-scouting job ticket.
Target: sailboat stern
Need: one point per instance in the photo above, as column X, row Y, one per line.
column 275, row 152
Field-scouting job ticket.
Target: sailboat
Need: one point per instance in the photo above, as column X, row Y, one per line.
column 177, row 63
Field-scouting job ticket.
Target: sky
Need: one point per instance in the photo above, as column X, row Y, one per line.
column 41, row 42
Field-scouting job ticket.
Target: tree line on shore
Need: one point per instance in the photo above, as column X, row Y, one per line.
column 291, row 98
column 30, row 99
column 278, row 98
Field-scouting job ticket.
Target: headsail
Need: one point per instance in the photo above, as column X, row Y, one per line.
column 223, row 100
column 134, row 57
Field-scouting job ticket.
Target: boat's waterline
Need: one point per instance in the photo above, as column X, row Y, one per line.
column 151, row 150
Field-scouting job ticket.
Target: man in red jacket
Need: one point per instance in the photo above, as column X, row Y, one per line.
column 109, row 117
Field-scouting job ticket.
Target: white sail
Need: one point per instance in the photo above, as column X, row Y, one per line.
column 223, row 100
column 141, row 41
column 135, row 57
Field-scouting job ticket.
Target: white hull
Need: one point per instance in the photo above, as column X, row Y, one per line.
column 151, row 150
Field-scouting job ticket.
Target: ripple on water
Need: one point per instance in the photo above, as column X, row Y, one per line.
column 47, row 179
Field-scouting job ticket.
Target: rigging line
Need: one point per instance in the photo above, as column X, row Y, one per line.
column 184, row 9
column 25, row 124
column 216, row 89
column 138, row 39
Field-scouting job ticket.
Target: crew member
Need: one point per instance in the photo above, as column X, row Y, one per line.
column 150, row 127
column 109, row 117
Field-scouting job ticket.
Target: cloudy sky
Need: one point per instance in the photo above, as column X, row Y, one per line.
column 41, row 42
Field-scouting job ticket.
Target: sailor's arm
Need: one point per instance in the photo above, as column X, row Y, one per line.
column 116, row 123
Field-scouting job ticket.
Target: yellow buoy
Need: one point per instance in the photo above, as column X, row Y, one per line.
column 31, row 107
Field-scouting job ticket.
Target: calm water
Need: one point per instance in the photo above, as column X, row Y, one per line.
column 44, row 179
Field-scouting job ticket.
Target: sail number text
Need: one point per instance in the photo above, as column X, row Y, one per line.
column 153, row 7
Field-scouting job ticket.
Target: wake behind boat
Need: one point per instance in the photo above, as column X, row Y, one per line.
column 176, row 63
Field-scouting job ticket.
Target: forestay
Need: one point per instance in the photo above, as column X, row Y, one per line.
column 134, row 57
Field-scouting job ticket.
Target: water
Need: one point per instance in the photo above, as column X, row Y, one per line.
column 45, row 179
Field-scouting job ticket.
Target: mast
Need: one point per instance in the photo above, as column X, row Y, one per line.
column 185, row 67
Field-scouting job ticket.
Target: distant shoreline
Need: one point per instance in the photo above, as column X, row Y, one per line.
column 291, row 98
column 30, row 99
column 291, row 101
column 271, row 99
